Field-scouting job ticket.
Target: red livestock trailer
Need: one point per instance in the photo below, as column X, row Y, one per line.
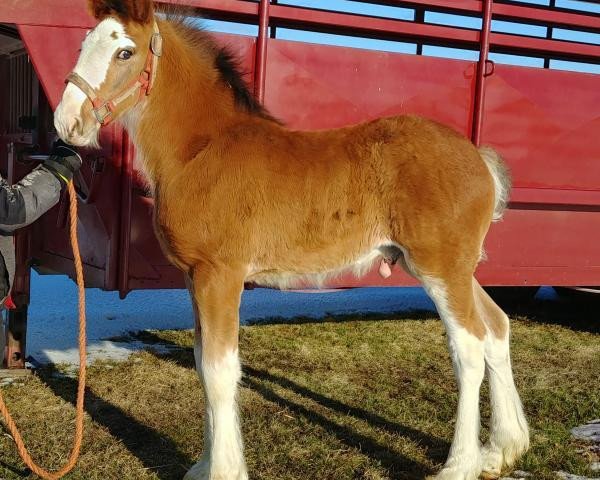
column 544, row 121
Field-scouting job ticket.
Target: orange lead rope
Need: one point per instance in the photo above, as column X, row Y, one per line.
column 82, row 360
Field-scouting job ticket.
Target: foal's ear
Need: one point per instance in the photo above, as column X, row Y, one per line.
column 139, row 11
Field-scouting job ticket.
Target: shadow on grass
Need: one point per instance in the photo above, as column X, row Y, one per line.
column 398, row 465
column 434, row 445
column 24, row 473
column 157, row 453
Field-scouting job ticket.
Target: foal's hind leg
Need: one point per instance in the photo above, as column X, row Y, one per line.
column 216, row 298
column 509, row 435
column 451, row 289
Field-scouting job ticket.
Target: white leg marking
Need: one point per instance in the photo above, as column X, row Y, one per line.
column 467, row 352
column 509, row 434
column 223, row 457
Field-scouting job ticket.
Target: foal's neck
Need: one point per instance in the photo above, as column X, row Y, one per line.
column 188, row 105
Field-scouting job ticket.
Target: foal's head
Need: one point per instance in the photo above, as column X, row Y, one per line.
column 114, row 72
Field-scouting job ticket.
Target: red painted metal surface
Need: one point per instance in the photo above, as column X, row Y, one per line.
column 543, row 246
column 64, row 43
column 127, row 157
column 261, row 50
column 71, row 13
column 546, row 16
column 504, row 11
column 482, row 65
column 336, row 22
column 347, row 86
column 546, row 124
column 543, row 122
column 56, row 13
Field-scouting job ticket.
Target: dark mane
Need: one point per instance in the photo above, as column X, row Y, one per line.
column 225, row 61
column 228, row 66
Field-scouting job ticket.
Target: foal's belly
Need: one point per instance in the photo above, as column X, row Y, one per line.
column 384, row 254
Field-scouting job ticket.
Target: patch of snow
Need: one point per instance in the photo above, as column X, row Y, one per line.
column 587, row 433
column 52, row 325
column 569, row 476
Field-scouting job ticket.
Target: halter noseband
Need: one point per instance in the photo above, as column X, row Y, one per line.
column 104, row 109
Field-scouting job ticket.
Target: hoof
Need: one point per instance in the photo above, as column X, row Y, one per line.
column 457, row 473
column 200, row 471
column 204, row 471
column 496, row 459
column 492, row 462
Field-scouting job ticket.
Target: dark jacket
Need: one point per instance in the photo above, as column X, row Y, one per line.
column 20, row 205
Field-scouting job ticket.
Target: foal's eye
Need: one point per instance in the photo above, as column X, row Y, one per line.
column 124, row 54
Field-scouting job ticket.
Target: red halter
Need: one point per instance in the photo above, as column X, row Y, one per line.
column 142, row 85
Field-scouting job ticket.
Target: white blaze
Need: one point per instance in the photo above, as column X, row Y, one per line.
column 98, row 49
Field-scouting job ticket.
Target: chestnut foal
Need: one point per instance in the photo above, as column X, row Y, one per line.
column 241, row 198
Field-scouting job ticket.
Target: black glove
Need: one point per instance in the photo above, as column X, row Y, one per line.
column 63, row 161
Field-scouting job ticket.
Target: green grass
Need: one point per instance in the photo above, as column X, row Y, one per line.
column 341, row 399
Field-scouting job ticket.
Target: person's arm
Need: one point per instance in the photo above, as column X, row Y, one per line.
column 24, row 202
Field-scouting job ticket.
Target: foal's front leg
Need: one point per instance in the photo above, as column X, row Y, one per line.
column 216, row 296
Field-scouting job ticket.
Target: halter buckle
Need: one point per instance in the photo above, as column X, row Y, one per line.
column 104, row 111
column 156, row 44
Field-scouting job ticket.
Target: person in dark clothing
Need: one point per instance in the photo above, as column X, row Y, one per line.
column 23, row 203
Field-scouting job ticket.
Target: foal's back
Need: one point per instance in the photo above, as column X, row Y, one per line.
column 312, row 201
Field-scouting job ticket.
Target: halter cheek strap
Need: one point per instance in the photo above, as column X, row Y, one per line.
column 142, row 85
